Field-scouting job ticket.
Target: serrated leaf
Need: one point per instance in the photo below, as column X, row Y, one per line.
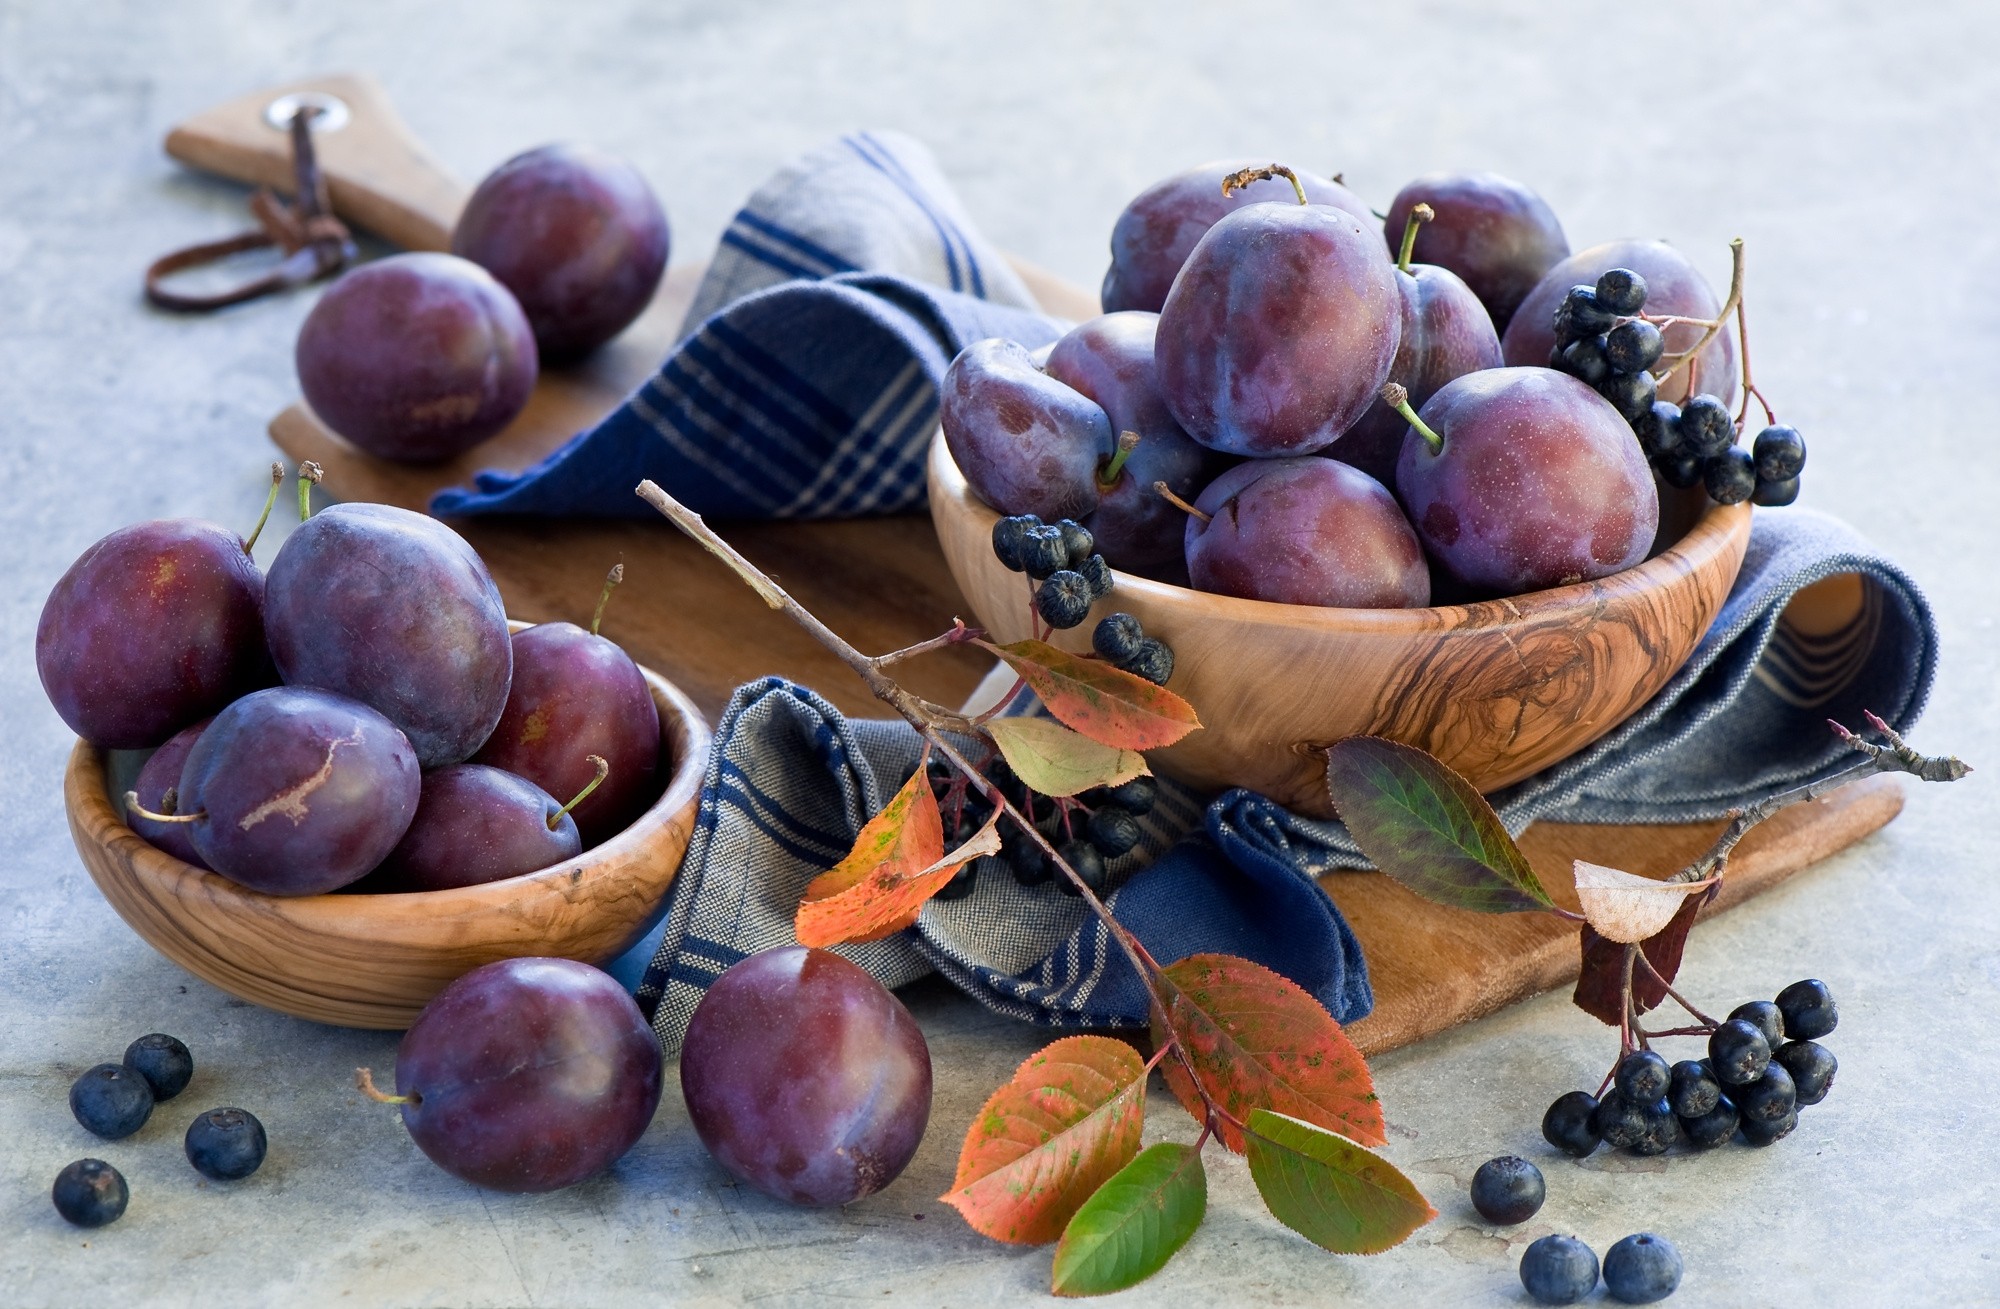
column 1135, row 1222
column 1105, row 703
column 1600, row 981
column 1260, row 1041
column 1626, row 907
column 1057, row 761
column 1425, row 826
column 1329, row 1190
column 1063, row 1125
column 895, row 865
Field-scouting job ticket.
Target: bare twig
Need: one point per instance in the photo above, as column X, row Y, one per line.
column 1685, row 357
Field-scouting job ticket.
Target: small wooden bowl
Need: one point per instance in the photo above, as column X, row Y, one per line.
column 1499, row 690
column 376, row 960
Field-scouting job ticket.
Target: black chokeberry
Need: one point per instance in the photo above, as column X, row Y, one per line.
column 1619, row 1122
column 1588, row 315
column 1775, row 495
column 1680, row 469
column 90, row 1193
column 1659, row 429
column 1008, row 537
column 163, row 1061
column 1693, row 1090
column 1761, row 1133
column 1631, row 394
column 1078, row 543
column 1568, row 1124
column 111, row 1100
column 1714, row 1127
column 1706, row 427
column 1642, row 1268
column 1633, row 346
column 1808, row 1010
column 1153, row 660
column 1113, row 832
column 1738, row 1053
column 1135, row 797
column 1116, row 637
column 961, row 882
column 1064, row 599
column 1024, row 857
column 1812, row 1067
column 1730, row 477
column 1770, row 1097
column 1098, row 573
column 1621, row 291
column 1559, row 1270
column 1584, row 359
column 1663, row 1130
column 1780, row 453
column 1042, row 551
column 1764, row 1016
column 1508, row 1190
column 1642, row 1077
column 1089, row 865
column 225, row 1144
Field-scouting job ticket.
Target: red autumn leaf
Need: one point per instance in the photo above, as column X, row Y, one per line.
column 1063, row 1125
column 1260, row 1041
column 1601, row 981
column 1106, row 704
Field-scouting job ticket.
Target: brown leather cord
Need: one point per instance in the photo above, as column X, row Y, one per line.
column 316, row 244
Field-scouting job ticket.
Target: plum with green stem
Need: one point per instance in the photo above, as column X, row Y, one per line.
column 1497, row 235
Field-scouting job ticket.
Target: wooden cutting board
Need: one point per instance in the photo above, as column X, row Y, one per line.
column 883, row 584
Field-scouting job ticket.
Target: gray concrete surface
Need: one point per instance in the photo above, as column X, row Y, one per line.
column 1850, row 143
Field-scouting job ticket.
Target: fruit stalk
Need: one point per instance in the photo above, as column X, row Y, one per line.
column 309, row 476
column 611, row 581
column 603, row 767
column 1419, row 215
column 270, row 498
column 1398, row 398
column 1243, row 177
column 1127, row 443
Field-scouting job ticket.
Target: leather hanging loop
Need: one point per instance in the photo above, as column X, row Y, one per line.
column 316, row 244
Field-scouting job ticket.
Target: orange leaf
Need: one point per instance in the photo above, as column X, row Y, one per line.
column 1066, row 1121
column 1106, row 704
column 1260, row 1041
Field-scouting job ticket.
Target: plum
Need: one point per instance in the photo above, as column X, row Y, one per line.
column 293, row 791
column 1491, row 231
column 155, row 626
column 1154, row 235
column 1026, row 443
column 805, row 1077
column 417, row 357
column 473, row 825
column 1534, row 481
column 528, row 1075
column 396, row 610
column 160, row 776
column 1110, row 360
column 1305, row 531
column 1673, row 286
column 576, row 235
column 1279, row 330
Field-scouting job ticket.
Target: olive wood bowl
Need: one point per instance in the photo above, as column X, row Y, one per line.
column 1499, row 689
column 375, row 961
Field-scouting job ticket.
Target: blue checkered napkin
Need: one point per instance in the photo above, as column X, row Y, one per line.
column 806, row 382
column 790, row 783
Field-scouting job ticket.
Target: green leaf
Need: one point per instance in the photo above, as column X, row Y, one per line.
column 1056, row 761
column 1105, row 703
column 1135, row 1222
column 1329, row 1190
column 1425, row 826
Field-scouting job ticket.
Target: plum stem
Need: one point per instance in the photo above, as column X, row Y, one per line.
column 1397, row 397
column 132, row 806
column 364, row 1081
column 270, row 498
column 611, row 581
column 1166, row 493
column 309, row 475
column 1686, row 357
column 603, row 771
column 1243, row 177
column 1127, row 443
column 1418, row 217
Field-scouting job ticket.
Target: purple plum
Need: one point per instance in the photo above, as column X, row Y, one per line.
column 1026, row 443
column 1494, row 233
column 473, row 825
column 158, row 777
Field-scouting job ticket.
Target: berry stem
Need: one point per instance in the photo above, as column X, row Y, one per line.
column 270, row 498
column 603, row 771
column 309, row 475
column 1708, row 1030
column 1679, row 999
column 1166, row 493
column 611, row 581
column 958, row 635
column 132, row 806
column 1397, row 397
column 1686, row 357
column 1243, row 177
column 1749, row 387
column 1419, row 215
column 1115, row 467
column 364, row 1081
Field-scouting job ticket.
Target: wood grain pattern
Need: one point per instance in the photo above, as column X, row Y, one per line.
column 376, row 960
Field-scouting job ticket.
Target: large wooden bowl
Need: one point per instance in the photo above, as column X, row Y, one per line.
column 376, row 960
column 1498, row 690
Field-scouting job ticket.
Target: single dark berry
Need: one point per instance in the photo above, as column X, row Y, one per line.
column 1508, row 1190
column 939, row 770
column 1001, row 774
column 1633, row 346
column 1631, row 394
column 1042, row 551
column 225, row 1144
column 1619, row 1122
column 1706, row 427
column 90, row 1193
column 1567, row 1124
column 1587, row 314
column 1738, row 1053
column 1770, row 1097
column 961, row 882
column 1642, row 1077
column 1559, row 1270
column 1116, row 637
column 1585, row 360
column 1812, row 1067
column 1009, row 534
column 1759, row 1133
column 1730, row 476
column 1780, row 453
column 1113, row 832
column 1714, row 1127
column 1621, row 291
column 111, row 1100
column 1775, row 495
column 1681, row 469
column 1030, row 865
column 1078, row 544
column 163, row 1061
column 1764, row 1016
column 1089, row 865
column 1098, row 573
column 1134, row 797
column 1808, row 1011
column 1153, row 660
column 1642, row 1268
column 1064, row 600
column 1663, row 1130
column 1693, row 1090
column 1659, row 430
